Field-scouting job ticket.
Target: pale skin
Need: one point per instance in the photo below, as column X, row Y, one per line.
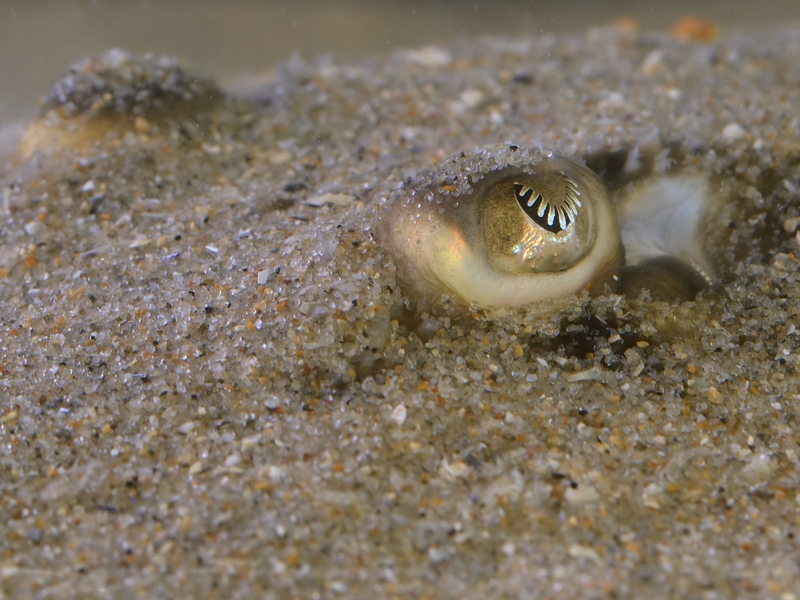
column 484, row 249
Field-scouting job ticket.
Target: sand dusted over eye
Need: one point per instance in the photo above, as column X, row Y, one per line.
column 205, row 389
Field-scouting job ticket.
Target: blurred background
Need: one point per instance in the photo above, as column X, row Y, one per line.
column 40, row 38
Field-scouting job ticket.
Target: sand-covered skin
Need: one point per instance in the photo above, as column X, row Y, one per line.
column 211, row 388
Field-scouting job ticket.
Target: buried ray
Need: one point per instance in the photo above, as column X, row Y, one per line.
column 506, row 227
column 472, row 237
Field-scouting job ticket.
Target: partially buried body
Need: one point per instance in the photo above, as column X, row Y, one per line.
column 449, row 230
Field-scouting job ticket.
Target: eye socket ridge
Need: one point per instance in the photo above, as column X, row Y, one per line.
column 553, row 210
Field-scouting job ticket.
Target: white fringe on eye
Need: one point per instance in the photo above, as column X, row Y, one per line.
column 661, row 217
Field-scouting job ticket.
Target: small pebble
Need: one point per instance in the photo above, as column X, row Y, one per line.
column 758, row 470
column 33, row 227
column 585, row 375
column 733, row 132
column 583, row 494
column 399, row 414
column 429, row 56
column 333, row 199
column 585, row 552
column 437, row 555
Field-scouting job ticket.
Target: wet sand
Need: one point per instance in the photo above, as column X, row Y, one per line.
column 212, row 386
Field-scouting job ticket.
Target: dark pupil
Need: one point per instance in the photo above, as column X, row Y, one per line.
column 539, row 205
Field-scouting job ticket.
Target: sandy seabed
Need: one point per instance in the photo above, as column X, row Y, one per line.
column 213, row 386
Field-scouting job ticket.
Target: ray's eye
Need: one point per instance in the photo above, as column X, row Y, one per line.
column 535, row 221
column 524, row 232
column 555, row 207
